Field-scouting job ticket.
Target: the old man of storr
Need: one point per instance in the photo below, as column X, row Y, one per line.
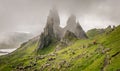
column 59, row 35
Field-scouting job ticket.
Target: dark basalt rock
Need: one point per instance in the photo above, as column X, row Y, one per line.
column 53, row 31
column 56, row 23
column 66, row 40
column 48, row 35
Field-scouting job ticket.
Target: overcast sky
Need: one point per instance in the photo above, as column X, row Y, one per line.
column 30, row 15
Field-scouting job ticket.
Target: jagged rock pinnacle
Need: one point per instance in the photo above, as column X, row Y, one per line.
column 75, row 27
column 53, row 31
column 71, row 23
column 47, row 36
column 53, row 14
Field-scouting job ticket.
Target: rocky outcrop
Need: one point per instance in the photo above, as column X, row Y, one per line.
column 69, row 35
column 48, row 35
column 53, row 31
column 56, row 23
column 66, row 40
column 75, row 27
column 109, row 29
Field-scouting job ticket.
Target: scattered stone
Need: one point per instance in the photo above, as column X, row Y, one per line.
column 46, row 65
column 105, row 50
column 26, row 67
column 40, row 57
column 67, row 65
column 79, row 56
column 106, row 62
column 51, row 59
column 53, row 54
column 62, row 62
column 64, row 52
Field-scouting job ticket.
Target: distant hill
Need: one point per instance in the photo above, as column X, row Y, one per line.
column 94, row 32
column 13, row 39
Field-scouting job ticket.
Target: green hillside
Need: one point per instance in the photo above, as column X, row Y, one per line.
column 101, row 53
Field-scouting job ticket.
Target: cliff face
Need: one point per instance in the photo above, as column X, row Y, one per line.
column 48, row 35
column 53, row 31
column 56, row 22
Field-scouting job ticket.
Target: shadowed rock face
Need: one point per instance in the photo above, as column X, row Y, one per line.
column 48, row 35
column 69, row 35
column 79, row 32
column 53, row 31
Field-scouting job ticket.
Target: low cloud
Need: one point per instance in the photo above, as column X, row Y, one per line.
column 30, row 15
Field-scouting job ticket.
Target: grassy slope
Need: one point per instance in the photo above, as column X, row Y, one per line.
column 83, row 55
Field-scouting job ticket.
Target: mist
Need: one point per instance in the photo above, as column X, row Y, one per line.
column 29, row 16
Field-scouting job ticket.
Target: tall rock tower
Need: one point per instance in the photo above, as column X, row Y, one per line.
column 47, row 36
column 56, row 23
column 52, row 31
column 75, row 27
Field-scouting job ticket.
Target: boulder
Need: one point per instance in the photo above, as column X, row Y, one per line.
column 51, row 59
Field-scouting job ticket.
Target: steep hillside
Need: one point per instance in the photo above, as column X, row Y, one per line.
column 70, row 51
column 101, row 53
